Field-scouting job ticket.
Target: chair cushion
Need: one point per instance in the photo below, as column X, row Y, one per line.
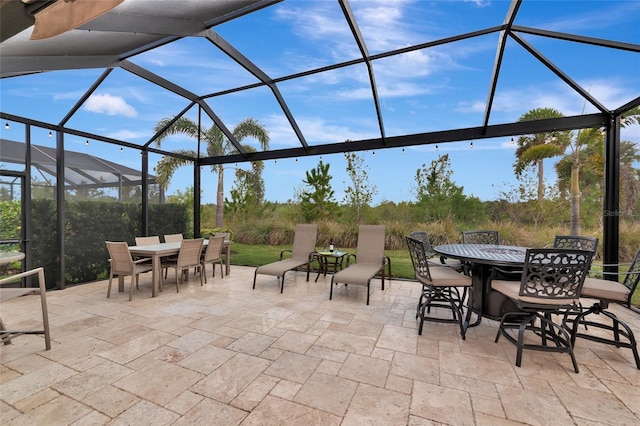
column 511, row 289
column 280, row 267
column 605, row 290
column 444, row 276
column 359, row 273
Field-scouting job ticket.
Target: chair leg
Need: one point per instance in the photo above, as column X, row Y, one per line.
column 331, row 289
column 133, row 279
column 255, row 274
column 109, row 288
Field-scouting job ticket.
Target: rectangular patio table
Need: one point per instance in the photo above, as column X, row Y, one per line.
column 482, row 258
column 157, row 251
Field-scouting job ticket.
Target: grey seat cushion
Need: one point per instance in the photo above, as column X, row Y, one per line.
column 280, row 267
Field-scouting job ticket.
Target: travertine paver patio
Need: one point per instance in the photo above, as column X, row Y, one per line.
column 226, row 354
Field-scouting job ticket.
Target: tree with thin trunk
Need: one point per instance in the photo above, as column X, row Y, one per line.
column 215, row 144
column 534, row 149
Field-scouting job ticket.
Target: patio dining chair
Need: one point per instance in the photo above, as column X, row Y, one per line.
column 213, row 254
column 188, row 257
column 576, row 242
column 304, row 245
column 146, row 241
column 423, row 236
column 172, row 238
column 481, row 237
column 369, row 260
column 605, row 292
column 440, row 288
column 122, row 264
column 550, row 284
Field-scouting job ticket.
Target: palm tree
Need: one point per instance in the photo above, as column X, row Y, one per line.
column 584, row 154
column 534, row 149
column 216, row 144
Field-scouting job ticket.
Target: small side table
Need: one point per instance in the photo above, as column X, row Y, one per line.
column 329, row 262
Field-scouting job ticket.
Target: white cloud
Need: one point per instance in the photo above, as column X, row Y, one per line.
column 110, row 105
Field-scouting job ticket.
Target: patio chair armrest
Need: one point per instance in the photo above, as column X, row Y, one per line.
column 143, row 260
column 283, row 252
column 348, row 257
column 386, row 263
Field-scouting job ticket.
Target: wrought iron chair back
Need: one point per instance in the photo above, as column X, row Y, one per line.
column 554, row 273
column 576, row 242
column 480, row 237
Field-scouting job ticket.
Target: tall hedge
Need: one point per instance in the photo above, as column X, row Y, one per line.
column 88, row 224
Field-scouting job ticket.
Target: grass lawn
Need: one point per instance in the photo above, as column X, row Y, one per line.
column 401, row 267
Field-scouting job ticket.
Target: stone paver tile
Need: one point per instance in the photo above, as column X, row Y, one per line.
column 489, row 420
column 83, row 384
column 420, row 421
column 193, row 341
column 294, row 341
column 36, row 400
column 138, row 347
column 253, row 323
column 92, row 419
column 365, row 328
column 252, row 343
column 487, row 405
column 120, row 335
column 211, row 412
column 602, row 407
column 365, row 370
column 628, row 394
column 299, row 321
column 398, row 339
column 23, row 365
column 34, row 382
column 278, row 313
column 386, row 354
column 327, row 393
column 184, row 402
column 255, row 392
column 329, row 367
column 375, row 406
column 60, row 411
column 339, row 317
column 111, row 400
column 228, row 380
column 160, row 382
column 277, row 411
column 429, row 348
column 7, row 412
column 206, row 359
column 327, row 353
column 399, row 384
column 346, row 342
column 436, row 403
column 468, row 384
column 294, row 367
column 80, row 354
column 145, row 413
column 416, row 367
column 532, row 407
column 490, row 370
column 286, row 389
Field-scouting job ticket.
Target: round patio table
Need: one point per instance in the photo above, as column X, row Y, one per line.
column 482, row 258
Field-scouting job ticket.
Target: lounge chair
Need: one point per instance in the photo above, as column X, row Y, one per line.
column 304, row 245
column 369, row 257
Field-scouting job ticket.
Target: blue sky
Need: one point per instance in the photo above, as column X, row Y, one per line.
column 432, row 89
